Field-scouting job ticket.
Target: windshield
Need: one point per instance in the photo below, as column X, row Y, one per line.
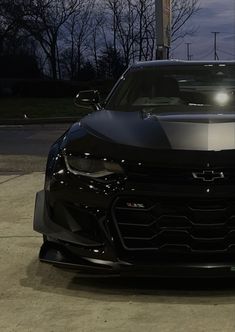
column 148, row 88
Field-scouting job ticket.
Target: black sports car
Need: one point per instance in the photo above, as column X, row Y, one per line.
column 145, row 184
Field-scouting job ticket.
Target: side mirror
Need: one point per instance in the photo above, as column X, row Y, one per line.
column 89, row 99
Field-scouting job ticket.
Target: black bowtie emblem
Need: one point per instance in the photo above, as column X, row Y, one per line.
column 208, row 176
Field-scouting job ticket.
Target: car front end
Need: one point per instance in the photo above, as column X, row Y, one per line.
column 143, row 192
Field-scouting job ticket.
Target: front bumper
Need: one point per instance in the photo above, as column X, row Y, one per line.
column 56, row 255
column 67, row 250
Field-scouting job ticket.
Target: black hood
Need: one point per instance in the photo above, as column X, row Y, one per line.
column 191, row 132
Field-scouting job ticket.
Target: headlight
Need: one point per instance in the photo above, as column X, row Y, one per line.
column 91, row 167
column 222, row 98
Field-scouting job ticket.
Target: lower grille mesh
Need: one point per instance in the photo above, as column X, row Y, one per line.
column 176, row 225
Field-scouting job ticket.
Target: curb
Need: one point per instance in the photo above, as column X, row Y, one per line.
column 38, row 121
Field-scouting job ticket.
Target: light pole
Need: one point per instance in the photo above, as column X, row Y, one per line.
column 188, row 51
column 215, row 33
column 163, row 28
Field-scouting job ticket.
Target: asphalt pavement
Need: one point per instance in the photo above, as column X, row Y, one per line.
column 24, row 149
column 39, row 297
column 29, row 139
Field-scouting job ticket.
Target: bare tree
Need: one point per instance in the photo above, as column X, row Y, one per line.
column 131, row 23
column 135, row 24
column 76, row 32
column 146, row 28
column 72, row 32
column 10, row 34
column 44, row 20
column 182, row 11
column 126, row 30
column 112, row 9
column 96, row 38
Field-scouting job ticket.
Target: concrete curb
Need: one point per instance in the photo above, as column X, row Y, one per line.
column 38, row 121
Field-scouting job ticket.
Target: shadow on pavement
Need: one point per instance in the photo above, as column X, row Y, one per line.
column 46, row 278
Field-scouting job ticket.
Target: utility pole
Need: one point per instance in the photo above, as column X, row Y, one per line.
column 215, row 33
column 163, row 13
column 189, row 55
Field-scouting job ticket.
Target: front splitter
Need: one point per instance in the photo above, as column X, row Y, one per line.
column 57, row 256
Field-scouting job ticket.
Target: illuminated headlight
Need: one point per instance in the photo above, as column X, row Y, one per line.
column 222, row 98
column 91, row 167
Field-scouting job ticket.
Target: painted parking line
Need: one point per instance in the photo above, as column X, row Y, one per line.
column 6, row 178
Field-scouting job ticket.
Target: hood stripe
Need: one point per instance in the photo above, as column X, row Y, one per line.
column 200, row 136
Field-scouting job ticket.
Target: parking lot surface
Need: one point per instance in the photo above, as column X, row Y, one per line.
column 39, row 297
column 29, row 139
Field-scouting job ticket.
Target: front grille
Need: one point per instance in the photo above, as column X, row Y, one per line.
column 180, row 176
column 179, row 225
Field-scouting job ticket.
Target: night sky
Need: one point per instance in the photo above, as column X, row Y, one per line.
column 215, row 15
